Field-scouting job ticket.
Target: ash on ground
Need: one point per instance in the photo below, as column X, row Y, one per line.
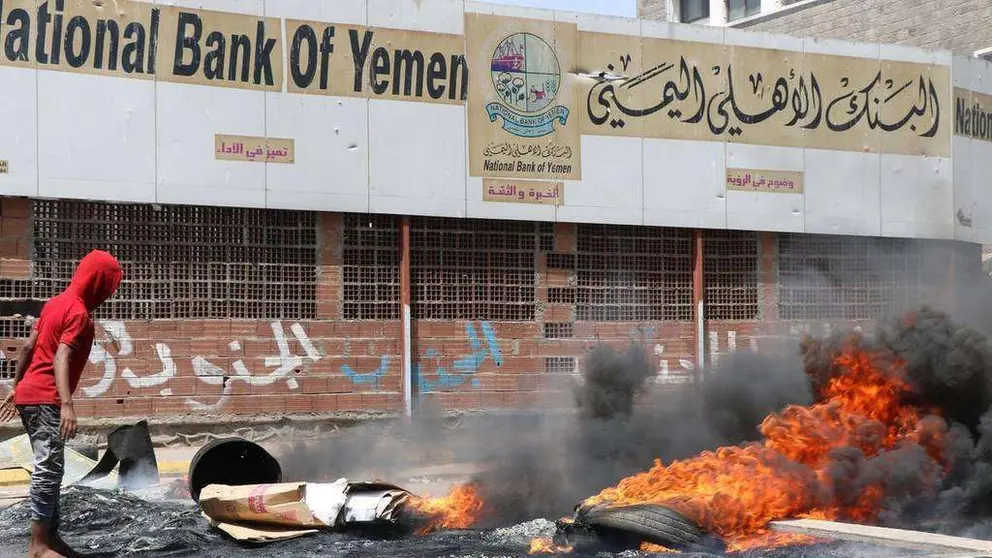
column 117, row 524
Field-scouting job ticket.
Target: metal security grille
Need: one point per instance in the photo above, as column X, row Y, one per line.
column 371, row 271
column 730, row 274
column 184, row 261
column 633, row 273
column 473, row 269
column 854, row 278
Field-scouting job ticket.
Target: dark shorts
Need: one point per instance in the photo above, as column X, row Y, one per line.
column 42, row 425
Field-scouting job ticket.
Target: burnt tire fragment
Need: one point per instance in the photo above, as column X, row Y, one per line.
column 231, row 461
column 650, row 523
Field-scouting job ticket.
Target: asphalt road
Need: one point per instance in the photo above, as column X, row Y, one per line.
column 115, row 524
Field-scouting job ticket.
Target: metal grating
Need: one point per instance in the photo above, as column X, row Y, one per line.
column 730, row 274
column 559, row 365
column 627, row 273
column 183, row 261
column 558, row 330
column 371, row 270
column 473, row 269
column 854, row 278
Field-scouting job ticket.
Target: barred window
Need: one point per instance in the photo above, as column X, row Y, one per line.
column 627, row 273
column 474, row 269
column 855, row 278
column 183, row 261
column 730, row 269
column 371, row 270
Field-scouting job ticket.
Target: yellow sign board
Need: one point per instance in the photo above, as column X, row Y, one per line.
column 671, row 89
column 755, row 180
column 531, row 87
column 522, row 121
column 3, row 167
column 253, row 149
column 523, row 191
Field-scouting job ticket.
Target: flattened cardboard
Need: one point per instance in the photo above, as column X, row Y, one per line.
column 259, row 534
column 271, row 504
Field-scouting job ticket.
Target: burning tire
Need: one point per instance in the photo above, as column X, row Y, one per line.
column 648, row 523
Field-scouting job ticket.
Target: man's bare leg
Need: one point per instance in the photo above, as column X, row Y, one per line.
column 60, row 545
column 41, row 545
column 42, row 425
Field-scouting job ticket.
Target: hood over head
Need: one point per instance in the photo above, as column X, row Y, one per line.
column 97, row 278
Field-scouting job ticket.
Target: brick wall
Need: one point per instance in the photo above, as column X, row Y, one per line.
column 958, row 25
column 651, row 9
column 503, row 311
column 325, row 364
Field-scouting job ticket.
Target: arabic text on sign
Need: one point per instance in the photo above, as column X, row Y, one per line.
column 807, row 101
column 750, row 180
column 523, row 191
column 259, row 150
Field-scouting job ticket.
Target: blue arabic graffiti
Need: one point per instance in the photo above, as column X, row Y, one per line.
column 372, row 377
column 464, row 368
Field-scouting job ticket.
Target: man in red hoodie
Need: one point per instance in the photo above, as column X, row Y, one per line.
column 48, row 370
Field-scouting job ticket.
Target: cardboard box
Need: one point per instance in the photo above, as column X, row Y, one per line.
column 270, row 512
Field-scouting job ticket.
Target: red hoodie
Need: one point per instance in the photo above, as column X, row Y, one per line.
column 66, row 319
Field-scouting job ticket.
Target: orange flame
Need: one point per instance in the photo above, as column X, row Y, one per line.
column 736, row 491
column 547, row 546
column 656, row 549
column 460, row 509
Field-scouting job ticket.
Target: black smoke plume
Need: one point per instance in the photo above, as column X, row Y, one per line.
column 612, row 381
column 542, row 464
column 623, row 422
column 948, row 368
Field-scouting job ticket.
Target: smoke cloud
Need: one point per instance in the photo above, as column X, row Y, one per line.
column 543, row 464
column 623, row 422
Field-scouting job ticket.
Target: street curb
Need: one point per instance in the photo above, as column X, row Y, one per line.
column 173, row 468
column 14, row 477
column 20, row 477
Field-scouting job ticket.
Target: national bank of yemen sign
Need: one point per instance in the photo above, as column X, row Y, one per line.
column 519, row 111
column 526, row 76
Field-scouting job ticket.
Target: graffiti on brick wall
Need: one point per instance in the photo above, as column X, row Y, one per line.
column 372, row 378
column 687, row 367
column 280, row 367
column 463, row 369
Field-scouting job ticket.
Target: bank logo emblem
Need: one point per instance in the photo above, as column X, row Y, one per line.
column 526, row 76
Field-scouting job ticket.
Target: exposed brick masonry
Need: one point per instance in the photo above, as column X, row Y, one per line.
column 961, row 26
column 333, row 365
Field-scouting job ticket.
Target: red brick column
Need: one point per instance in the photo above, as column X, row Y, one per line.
column 15, row 238
column 768, row 278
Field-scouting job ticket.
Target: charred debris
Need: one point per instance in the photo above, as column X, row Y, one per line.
column 915, row 454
